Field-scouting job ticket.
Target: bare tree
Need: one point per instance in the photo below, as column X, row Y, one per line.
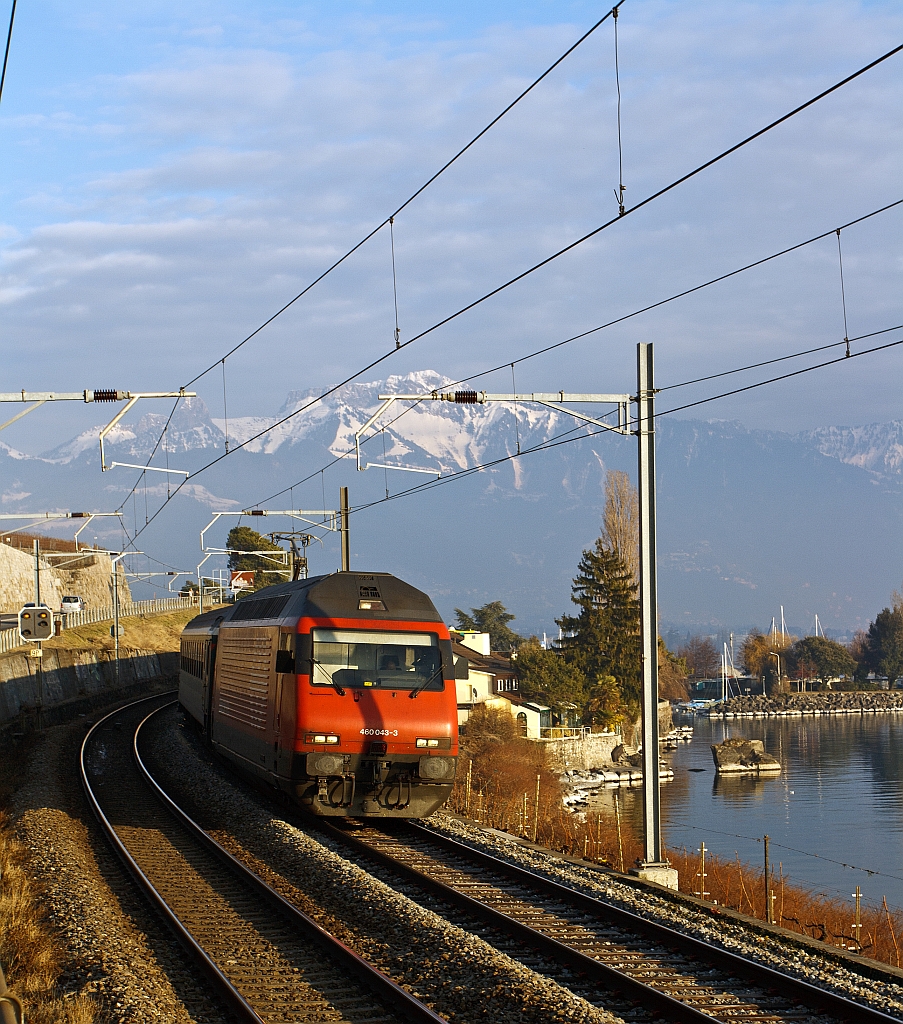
column 621, row 520
column 701, row 657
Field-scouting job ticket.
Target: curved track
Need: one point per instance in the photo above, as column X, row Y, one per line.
column 671, row 974
column 267, row 960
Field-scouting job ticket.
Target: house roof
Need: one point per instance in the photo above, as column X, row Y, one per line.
column 496, row 664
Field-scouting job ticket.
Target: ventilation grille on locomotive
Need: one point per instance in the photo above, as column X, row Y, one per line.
column 268, row 608
column 192, row 655
column 243, row 678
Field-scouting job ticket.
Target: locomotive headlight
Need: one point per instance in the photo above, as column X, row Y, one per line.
column 321, row 737
column 427, row 743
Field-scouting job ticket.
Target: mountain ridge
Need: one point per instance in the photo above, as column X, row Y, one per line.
column 748, row 519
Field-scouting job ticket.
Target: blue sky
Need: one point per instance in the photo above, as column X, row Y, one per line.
column 172, row 175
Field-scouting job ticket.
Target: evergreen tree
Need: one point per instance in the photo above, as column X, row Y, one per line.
column 885, row 642
column 603, row 639
column 243, row 538
column 546, row 677
column 492, row 618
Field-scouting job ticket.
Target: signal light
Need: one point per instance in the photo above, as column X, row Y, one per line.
column 427, row 743
column 36, row 623
column 321, row 737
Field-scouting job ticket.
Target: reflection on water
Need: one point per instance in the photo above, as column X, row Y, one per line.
column 839, row 796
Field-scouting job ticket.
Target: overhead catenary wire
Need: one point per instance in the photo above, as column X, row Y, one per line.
column 9, row 39
column 541, row 351
column 661, row 192
column 637, row 312
column 651, row 198
column 784, row 376
column 390, row 219
column 619, row 194
column 682, row 294
column 843, row 296
column 780, row 359
column 394, row 278
column 591, row 234
column 560, row 440
column 416, row 193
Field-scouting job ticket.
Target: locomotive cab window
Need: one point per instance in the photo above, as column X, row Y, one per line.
column 285, row 655
column 388, row 661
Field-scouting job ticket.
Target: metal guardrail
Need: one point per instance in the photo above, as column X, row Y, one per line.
column 563, row 732
column 10, row 639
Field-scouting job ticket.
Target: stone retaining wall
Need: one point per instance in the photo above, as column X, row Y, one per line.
column 70, row 680
column 580, row 751
column 822, row 703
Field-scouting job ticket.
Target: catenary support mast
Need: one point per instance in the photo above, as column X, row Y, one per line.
column 652, row 831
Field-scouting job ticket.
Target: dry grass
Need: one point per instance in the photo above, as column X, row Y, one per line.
column 497, row 787
column 30, row 950
column 140, row 633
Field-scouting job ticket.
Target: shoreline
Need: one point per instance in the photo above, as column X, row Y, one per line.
column 823, row 702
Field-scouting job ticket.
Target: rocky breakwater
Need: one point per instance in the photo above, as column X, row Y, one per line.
column 624, row 768
column 738, row 756
column 824, row 702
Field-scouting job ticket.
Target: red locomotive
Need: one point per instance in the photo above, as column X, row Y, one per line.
column 337, row 690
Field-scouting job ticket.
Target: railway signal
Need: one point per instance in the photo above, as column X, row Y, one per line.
column 35, row 623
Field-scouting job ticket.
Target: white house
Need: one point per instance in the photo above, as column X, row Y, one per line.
column 490, row 679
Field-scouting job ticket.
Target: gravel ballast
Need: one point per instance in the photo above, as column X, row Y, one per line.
column 115, row 949
column 118, row 952
column 458, row 974
column 878, row 988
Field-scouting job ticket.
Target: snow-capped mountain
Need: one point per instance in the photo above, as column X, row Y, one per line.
column 748, row 520
column 877, row 447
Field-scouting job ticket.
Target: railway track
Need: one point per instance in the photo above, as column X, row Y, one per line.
column 265, row 959
column 592, row 945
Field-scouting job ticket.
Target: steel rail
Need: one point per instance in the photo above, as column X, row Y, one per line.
column 221, row 984
column 396, row 998
column 787, row 986
column 658, row 1002
column 380, row 984
column 807, row 993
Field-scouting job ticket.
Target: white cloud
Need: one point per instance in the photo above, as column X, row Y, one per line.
column 245, row 173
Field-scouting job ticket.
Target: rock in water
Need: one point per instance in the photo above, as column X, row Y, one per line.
column 735, row 756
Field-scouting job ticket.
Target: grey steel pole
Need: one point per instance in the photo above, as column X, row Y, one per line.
column 346, row 546
column 652, row 829
column 39, row 671
column 116, row 616
column 37, row 571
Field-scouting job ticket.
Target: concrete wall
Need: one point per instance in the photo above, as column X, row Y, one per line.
column 580, row 752
column 73, row 680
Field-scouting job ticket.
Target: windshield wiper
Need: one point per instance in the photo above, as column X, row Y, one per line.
column 425, row 684
column 338, row 689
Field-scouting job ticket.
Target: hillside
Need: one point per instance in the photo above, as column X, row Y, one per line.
column 748, row 519
column 158, row 633
column 86, row 574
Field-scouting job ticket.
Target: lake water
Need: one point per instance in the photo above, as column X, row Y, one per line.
column 838, row 799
